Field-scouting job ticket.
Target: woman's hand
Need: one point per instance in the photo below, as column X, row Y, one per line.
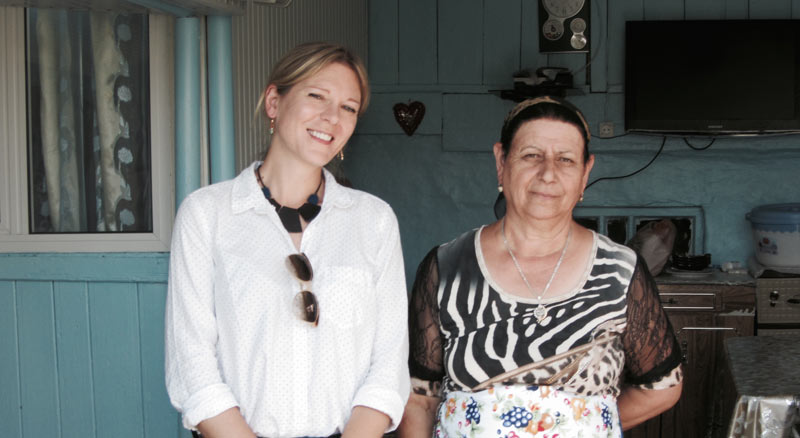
column 366, row 422
column 638, row 405
column 228, row 424
column 418, row 417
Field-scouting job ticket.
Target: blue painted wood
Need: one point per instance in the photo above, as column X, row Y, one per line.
column 465, row 125
column 770, row 9
column 502, row 28
column 460, row 24
column 152, row 267
column 619, row 12
column 379, row 118
column 417, row 42
column 116, row 359
column 451, row 191
column 220, row 99
column 575, row 62
column 663, row 9
column 383, row 41
column 37, row 359
column 10, row 404
column 75, row 383
column 737, row 9
column 705, row 10
column 530, row 58
column 599, row 54
column 159, row 415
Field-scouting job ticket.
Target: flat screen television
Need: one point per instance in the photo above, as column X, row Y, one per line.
column 710, row 77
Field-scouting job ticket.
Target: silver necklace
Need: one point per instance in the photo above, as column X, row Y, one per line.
column 541, row 311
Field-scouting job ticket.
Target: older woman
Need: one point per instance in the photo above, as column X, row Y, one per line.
column 534, row 323
column 286, row 307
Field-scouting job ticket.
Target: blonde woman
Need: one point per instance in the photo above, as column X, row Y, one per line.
column 286, row 308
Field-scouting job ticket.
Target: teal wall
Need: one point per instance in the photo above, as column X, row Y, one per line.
column 450, row 54
column 82, row 346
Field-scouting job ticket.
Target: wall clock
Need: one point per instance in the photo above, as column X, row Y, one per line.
column 564, row 26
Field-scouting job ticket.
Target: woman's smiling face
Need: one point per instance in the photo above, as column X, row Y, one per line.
column 543, row 174
column 316, row 117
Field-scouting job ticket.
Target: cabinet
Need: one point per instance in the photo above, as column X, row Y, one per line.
column 703, row 316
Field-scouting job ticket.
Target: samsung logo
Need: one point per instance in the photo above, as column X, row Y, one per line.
column 714, row 126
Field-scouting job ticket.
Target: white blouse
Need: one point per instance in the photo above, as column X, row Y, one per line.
column 232, row 338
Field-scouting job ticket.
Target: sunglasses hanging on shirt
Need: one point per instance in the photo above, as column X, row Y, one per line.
column 305, row 302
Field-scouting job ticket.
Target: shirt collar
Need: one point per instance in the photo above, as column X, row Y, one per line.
column 247, row 194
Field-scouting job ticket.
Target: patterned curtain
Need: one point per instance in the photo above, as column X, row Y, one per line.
column 89, row 142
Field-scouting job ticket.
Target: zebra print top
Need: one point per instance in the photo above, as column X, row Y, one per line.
column 464, row 332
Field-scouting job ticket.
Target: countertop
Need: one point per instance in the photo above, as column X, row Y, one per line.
column 765, row 365
column 766, row 377
column 713, row 276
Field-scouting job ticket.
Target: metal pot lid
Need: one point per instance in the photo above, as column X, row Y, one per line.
column 775, row 214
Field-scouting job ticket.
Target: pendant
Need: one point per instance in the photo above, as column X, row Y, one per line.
column 540, row 313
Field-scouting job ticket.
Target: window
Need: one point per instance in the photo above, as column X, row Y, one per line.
column 86, row 164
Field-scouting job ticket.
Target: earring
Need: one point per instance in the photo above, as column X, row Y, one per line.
column 581, row 199
column 271, row 126
column 500, row 188
column 341, row 154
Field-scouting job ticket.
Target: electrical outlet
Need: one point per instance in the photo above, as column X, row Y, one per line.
column 606, row 130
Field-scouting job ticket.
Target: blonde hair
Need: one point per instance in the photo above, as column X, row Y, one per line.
column 308, row 59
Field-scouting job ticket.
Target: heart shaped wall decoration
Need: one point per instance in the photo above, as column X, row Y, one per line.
column 409, row 116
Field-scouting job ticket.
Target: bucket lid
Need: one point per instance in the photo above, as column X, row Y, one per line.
column 775, row 214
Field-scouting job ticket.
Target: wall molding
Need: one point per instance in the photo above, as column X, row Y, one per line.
column 105, row 267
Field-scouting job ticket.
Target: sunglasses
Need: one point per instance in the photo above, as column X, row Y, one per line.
column 305, row 302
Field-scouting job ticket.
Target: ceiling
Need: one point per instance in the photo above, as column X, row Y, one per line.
column 179, row 8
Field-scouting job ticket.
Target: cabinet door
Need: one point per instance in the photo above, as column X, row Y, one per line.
column 702, row 410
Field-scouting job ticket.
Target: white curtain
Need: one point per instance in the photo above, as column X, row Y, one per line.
column 89, row 171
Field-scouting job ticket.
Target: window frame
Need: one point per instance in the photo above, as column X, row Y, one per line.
column 14, row 214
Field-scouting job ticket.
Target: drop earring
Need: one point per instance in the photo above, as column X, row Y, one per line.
column 271, row 126
column 500, row 188
column 581, row 199
column 341, row 154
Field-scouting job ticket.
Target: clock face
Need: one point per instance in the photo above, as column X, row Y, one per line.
column 562, row 8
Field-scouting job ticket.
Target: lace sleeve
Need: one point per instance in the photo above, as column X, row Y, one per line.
column 652, row 353
column 425, row 354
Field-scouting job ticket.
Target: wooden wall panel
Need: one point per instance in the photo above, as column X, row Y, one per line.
column 383, row 42
column 705, row 10
column 575, row 62
column 598, row 69
column 663, row 9
column 501, row 41
column 736, row 9
column 10, row 414
column 460, row 41
column 76, row 388
column 37, row 359
column 159, row 415
column 466, row 128
column 770, row 9
column 379, row 119
column 530, row 58
column 116, row 359
column 619, row 12
column 417, row 42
